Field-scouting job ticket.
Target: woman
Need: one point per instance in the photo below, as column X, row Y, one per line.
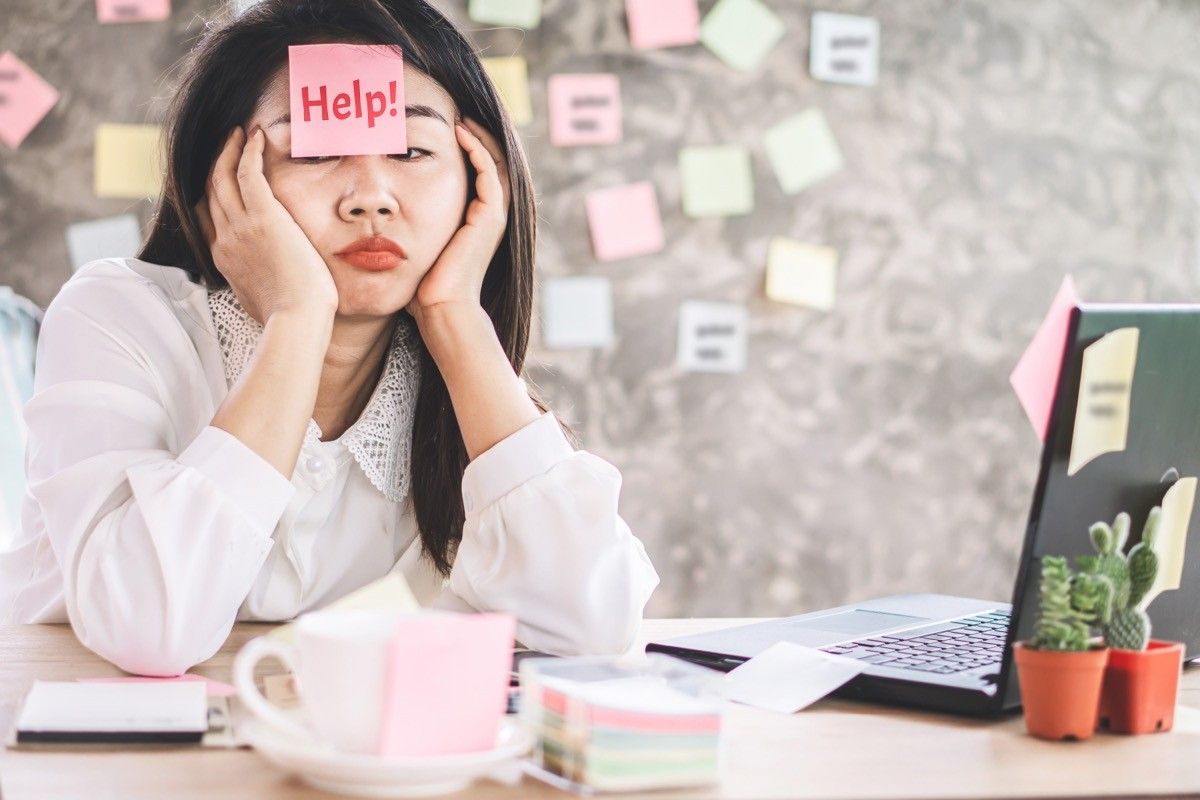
column 309, row 377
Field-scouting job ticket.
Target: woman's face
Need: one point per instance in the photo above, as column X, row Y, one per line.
column 417, row 198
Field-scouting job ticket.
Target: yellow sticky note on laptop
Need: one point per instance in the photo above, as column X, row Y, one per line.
column 510, row 74
column 1171, row 540
column 801, row 274
column 390, row 591
column 1105, row 387
column 129, row 161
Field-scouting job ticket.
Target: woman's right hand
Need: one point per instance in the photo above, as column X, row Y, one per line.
column 256, row 244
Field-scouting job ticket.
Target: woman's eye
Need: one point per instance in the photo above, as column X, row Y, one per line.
column 413, row 154
column 312, row 159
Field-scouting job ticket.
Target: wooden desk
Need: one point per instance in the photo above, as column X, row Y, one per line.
column 836, row 749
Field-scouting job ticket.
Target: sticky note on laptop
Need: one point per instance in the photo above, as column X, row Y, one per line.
column 25, row 98
column 390, row 591
column 347, row 99
column 129, row 161
column 585, row 109
column 109, row 11
column 1035, row 378
column 1105, row 392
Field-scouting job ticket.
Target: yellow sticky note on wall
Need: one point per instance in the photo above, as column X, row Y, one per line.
column 390, row 591
column 129, row 161
column 1105, row 386
column 802, row 274
column 511, row 76
column 1171, row 541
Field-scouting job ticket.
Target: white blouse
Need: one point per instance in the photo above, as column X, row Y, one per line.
column 151, row 531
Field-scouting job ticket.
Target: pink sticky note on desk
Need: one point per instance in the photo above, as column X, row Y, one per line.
column 446, row 688
column 24, row 99
column 662, row 23
column 214, row 688
column 624, row 221
column 347, row 100
column 584, row 109
column 1035, row 378
column 132, row 10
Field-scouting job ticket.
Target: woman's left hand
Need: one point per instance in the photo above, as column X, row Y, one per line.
column 457, row 274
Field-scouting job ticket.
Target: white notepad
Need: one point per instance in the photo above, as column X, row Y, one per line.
column 125, row 712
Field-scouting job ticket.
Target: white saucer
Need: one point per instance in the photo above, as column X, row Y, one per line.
column 374, row 776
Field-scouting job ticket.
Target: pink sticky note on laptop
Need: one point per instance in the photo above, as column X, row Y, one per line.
column 585, row 109
column 446, row 688
column 662, row 23
column 347, row 100
column 624, row 221
column 24, row 99
column 1035, row 379
column 132, row 10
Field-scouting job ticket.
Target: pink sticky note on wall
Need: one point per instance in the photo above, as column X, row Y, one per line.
column 624, row 221
column 347, row 100
column 447, row 684
column 662, row 23
column 585, row 109
column 132, row 10
column 1035, row 378
column 24, row 99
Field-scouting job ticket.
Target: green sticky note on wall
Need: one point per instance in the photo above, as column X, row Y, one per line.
column 741, row 32
column 717, row 180
column 519, row 13
column 802, row 150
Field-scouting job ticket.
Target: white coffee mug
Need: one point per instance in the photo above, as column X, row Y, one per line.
column 340, row 662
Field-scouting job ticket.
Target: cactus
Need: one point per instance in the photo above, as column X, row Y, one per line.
column 1070, row 604
column 1124, row 622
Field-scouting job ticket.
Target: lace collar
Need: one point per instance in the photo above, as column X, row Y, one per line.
column 381, row 438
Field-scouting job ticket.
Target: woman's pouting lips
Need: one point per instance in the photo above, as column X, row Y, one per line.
column 378, row 260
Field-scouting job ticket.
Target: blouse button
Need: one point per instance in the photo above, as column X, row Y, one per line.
column 315, row 464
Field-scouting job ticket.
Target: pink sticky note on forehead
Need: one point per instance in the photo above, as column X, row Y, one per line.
column 347, row 100
column 24, row 99
column 132, row 10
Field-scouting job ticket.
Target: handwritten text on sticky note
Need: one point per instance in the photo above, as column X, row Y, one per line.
column 585, row 109
column 845, row 48
column 346, row 100
column 1102, row 411
column 712, row 337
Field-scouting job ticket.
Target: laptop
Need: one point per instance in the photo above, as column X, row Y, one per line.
column 954, row 654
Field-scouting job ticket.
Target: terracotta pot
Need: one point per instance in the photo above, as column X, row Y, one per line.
column 1141, row 688
column 1060, row 690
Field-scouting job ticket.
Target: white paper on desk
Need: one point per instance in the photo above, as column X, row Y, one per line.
column 115, row 707
column 788, row 677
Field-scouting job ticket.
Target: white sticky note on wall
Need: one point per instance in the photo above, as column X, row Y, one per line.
column 800, row 273
column 1105, row 387
column 787, row 677
column 577, row 312
column 111, row 237
column 844, row 48
column 712, row 337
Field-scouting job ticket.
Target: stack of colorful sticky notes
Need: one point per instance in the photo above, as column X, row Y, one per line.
column 613, row 728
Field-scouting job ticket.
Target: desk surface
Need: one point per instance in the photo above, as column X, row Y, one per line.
column 835, row 749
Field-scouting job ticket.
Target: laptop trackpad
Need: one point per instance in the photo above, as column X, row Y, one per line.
column 856, row 623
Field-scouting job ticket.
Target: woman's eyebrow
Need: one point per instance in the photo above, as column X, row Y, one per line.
column 409, row 111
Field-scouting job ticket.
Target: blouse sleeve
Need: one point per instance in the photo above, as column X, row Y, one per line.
column 543, row 541
column 158, row 541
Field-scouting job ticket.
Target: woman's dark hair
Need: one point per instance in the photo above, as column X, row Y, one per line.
column 221, row 83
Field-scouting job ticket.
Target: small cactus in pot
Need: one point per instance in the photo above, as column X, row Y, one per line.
column 1125, row 624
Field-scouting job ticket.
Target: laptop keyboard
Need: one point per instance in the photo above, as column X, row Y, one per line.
column 945, row 648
